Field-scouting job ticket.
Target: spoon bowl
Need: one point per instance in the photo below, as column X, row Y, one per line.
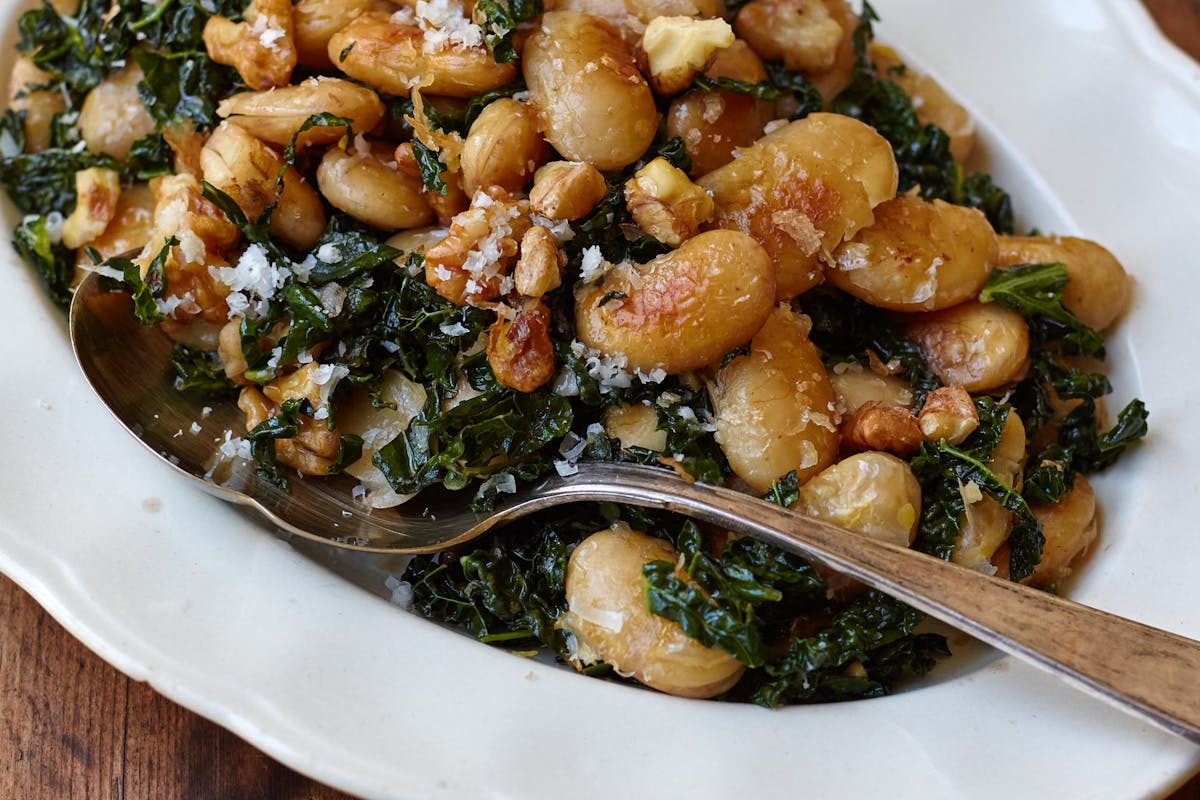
column 1145, row 671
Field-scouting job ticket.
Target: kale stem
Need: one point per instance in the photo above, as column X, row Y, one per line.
column 153, row 17
column 507, row 637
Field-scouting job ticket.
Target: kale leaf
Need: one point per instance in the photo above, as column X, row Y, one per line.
column 865, row 648
column 53, row 263
column 847, row 329
column 44, row 182
column 475, row 439
column 1035, row 291
column 942, row 469
column 511, row 587
column 201, row 372
column 499, row 23
column 922, row 151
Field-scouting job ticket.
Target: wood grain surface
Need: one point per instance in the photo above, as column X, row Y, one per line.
column 73, row 727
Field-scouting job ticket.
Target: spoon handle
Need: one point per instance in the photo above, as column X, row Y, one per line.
column 1146, row 671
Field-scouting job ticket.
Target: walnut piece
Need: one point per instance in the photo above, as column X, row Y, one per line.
column 665, row 203
column 879, row 427
column 948, row 414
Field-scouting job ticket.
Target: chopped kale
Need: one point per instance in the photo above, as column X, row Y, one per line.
column 1035, row 291
column 181, row 86
column 760, row 90
column 847, row 329
column 808, row 99
column 44, row 182
column 510, row 588
column 201, row 372
column 431, row 167
column 475, row 439
column 864, row 649
column 499, row 22
column 53, row 263
column 922, row 151
column 943, row 469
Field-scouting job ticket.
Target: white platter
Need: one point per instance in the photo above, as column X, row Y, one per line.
column 1092, row 121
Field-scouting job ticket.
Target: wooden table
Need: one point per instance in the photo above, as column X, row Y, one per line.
column 72, row 726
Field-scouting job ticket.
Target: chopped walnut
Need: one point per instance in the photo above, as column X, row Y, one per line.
column 520, row 351
column 948, row 414
column 678, row 49
column 471, row 264
column 262, row 49
column 879, row 427
column 665, row 203
column 539, row 269
column 312, row 451
column 566, row 190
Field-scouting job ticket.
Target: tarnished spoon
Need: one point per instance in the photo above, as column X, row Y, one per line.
column 1148, row 672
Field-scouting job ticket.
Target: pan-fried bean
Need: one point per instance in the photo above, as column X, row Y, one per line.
column 607, row 616
column 315, row 22
column 802, row 190
column 112, row 117
column 875, row 494
column 247, row 169
column 594, row 103
column 775, row 408
column 683, row 310
column 394, row 57
column 277, row 115
column 39, row 106
column 916, row 256
column 978, row 346
column 364, row 186
column 503, row 147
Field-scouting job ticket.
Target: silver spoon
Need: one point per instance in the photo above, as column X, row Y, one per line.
column 1148, row 672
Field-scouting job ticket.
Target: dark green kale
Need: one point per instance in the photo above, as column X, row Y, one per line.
column 785, row 491
column 431, row 167
column 286, row 424
column 166, row 40
column 496, row 431
column 943, row 469
column 183, row 85
column 760, row 90
column 53, row 263
column 1035, row 291
column 512, row 587
column 78, row 51
column 847, row 329
column 400, row 109
column 780, row 81
column 262, row 437
column 146, row 290
column 201, row 372
column 723, row 603
column 44, row 182
column 922, row 151
column 808, row 99
column 149, row 157
column 864, row 650
column 499, row 23
column 1089, row 449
